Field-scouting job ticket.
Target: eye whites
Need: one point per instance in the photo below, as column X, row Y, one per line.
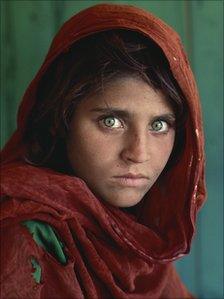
column 112, row 122
column 159, row 126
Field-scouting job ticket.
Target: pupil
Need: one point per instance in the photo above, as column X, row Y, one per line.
column 109, row 121
column 157, row 125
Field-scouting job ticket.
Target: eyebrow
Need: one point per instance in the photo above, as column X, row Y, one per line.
column 127, row 115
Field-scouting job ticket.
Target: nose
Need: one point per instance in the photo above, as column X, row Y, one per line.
column 136, row 148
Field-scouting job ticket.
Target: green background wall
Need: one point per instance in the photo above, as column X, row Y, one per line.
column 27, row 28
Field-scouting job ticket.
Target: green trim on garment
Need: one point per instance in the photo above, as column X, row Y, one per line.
column 37, row 273
column 45, row 236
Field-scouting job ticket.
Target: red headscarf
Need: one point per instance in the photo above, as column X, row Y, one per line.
column 111, row 254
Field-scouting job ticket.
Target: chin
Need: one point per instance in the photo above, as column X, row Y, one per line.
column 123, row 202
column 121, row 198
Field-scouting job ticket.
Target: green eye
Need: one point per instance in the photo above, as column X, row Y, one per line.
column 159, row 126
column 109, row 121
column 112, row 122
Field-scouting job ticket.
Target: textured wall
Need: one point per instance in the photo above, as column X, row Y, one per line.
column 26, row 31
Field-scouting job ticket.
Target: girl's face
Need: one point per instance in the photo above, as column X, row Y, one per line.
column 120, row 140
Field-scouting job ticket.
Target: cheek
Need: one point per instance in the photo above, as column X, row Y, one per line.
column 162, row 151
column 90, row 151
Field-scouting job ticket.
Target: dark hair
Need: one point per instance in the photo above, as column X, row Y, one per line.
column 90, row 63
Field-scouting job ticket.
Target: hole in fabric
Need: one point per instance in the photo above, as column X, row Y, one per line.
column 46, row 237
column 37, row 270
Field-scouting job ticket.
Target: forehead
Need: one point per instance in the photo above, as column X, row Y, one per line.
column 129, row 93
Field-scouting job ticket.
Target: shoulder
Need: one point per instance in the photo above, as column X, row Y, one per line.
column 29, row 249
column 18, row 251
column 31, row 238
column 46, row 236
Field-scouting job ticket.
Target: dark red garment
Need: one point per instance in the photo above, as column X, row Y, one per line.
column 111, row 253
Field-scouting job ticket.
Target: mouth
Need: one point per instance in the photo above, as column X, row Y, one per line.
column 131, row 180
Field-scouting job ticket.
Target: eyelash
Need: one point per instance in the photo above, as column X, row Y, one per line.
column 169, row 123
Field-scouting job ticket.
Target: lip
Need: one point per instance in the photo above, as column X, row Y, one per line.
column 131, row 180
column 132, row 176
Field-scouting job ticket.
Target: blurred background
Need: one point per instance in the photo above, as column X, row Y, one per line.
column 27, row 28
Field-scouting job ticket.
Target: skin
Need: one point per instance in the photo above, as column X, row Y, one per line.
column 101, row 146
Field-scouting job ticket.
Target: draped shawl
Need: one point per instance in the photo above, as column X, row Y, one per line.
column 111, row 254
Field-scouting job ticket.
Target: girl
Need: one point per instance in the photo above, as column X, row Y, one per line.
column 103, row 177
